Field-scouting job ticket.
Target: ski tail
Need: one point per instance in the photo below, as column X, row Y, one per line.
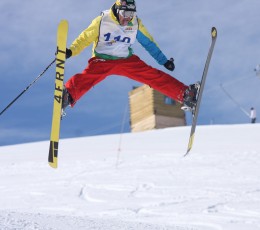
column 53, row 154
column 57, row 104
column 203, row 80
column 190, row 143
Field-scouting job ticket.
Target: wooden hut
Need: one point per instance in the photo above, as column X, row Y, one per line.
column 149, row 109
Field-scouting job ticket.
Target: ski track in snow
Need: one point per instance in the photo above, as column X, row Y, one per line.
column 152, row 186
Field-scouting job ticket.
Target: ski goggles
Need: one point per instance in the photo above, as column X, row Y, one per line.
column 126, row 13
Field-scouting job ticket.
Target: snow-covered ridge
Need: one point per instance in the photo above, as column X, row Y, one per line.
column 136, row 181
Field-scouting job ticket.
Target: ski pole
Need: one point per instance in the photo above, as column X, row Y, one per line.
column 29, row 86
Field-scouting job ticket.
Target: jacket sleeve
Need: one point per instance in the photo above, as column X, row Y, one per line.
column 88, row 36
column 147, row 41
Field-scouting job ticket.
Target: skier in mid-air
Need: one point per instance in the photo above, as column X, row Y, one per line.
column 113, row 33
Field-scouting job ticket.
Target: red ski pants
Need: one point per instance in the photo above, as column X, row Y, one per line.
column 134, row 68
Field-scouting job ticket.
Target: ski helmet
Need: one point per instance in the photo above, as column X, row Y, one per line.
column 127, row 5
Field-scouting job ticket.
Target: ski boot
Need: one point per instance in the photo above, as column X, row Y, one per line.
column 190, row 97
column 66, row 100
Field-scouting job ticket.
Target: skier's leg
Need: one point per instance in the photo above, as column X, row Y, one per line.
column 138, row 70
column 95, row 72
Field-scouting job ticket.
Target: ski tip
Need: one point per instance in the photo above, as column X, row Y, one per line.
column 214, row 32
column 64, row 22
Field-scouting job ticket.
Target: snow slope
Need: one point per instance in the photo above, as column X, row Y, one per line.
column 136, row 181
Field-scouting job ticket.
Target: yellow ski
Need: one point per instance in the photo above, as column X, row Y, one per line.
column 59, row 77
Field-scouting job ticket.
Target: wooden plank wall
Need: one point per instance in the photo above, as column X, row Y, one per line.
column 141, row 103
column 166, row 110
column 149, row 111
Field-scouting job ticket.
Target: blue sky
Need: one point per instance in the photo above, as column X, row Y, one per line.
column 181, row 29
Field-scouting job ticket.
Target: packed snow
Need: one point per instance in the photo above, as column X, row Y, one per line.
column 136, row 181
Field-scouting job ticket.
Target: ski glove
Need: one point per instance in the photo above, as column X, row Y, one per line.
column 170, row 64
column 68, row 53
